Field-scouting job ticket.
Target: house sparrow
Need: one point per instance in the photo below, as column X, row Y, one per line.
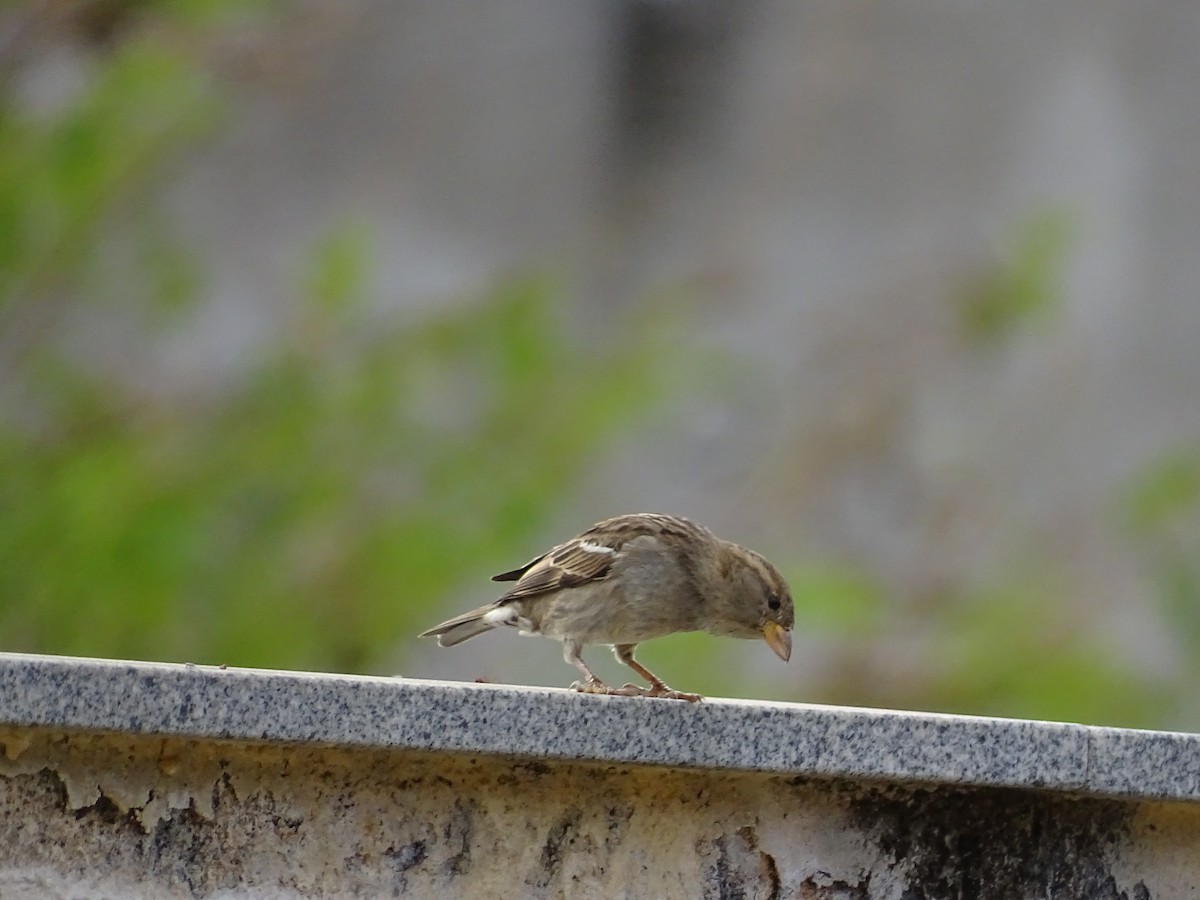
column 632, row 578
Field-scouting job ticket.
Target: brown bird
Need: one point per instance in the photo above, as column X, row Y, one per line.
column 630, row 579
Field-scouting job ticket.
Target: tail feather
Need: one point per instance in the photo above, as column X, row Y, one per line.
column 462, row 632
column 461, row 628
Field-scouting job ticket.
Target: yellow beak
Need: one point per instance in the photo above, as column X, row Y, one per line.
column 778, row 639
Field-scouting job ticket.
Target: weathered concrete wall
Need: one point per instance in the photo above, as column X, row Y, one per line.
column 137, row 814
column 92, row 815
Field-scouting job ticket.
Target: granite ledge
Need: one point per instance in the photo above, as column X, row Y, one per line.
column 208, row 702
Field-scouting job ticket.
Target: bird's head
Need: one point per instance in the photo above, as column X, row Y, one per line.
column 755, row 601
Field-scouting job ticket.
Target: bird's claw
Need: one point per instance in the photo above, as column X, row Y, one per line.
column 596, row 686
column 655, row 690
column 591, row 686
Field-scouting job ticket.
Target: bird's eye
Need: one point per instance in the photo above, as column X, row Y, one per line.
column 773, row 601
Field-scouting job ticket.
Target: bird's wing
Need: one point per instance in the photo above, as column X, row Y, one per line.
column 576, row 562
column 587, row 557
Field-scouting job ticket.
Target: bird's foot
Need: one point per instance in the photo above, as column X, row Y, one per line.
column 592, row 686
column 658, row 689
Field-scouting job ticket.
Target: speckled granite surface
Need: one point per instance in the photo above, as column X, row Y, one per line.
column 543, row 723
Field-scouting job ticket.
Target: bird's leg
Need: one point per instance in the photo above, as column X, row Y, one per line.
column 657, row 688
column 592, row 684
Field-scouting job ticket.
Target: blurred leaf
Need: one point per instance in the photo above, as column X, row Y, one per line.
column 1026, row 284
column 340, row 263
column 1161, row 508
column 172, row 273
column 219, row 13
column 1167, row 489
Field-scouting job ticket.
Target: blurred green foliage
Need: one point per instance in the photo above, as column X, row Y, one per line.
column 1018, row 646
column 64, row 172
column 1162, row 500
column 1161, row 510
column 1027, row 282
column 316, row 511
column 319, row 506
